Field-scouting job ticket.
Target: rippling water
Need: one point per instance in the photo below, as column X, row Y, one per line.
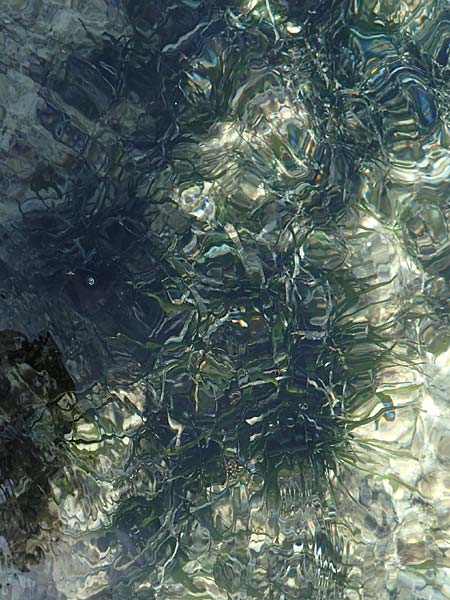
column 224, row 300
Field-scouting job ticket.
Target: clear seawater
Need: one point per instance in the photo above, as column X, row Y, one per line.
column 224, row 300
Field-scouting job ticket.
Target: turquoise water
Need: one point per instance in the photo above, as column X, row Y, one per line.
column 224, row 322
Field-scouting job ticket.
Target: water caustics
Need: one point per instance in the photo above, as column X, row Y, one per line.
column 224, row 314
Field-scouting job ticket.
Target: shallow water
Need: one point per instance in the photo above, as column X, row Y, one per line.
column 224, row 320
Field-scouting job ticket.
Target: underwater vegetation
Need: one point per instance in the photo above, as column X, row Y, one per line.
column 202, row 294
